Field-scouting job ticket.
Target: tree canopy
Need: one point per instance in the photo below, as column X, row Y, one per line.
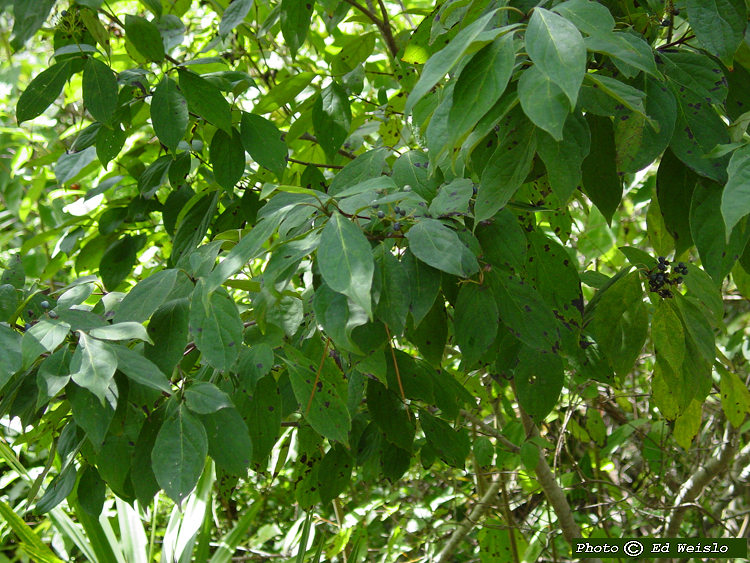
column 373, row 279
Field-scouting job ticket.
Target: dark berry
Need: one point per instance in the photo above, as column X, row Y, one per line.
column 679, row 279
column 30, row 313
column 662, row 266
column 675, row 11
column 660, row 277
column 27, row 326
column 684, row 272
column 661, row 259
column 375, row 205
column 64, row 13
column 474, row 190
column 381, row 214
column 681, row 265
column 652, row 277
column 44, row 304
column 397, row 210
column 666, row 22
column 397, row 226
column 402, row 212
column 53, row 314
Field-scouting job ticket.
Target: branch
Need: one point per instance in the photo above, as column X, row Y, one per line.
column 489, row 430
column 696, row 483
column 469, row 522
column 313, row 139
column 383, row 25
column 316, row 164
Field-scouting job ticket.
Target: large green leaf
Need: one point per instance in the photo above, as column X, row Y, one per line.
column 283, row 93
column 109, row 143
column 735, row 199
column 474, row 336
column 557, row 48
column 147, row 296
column 229, row 442
column 443, row 61
column 393, row 306
column 564, row 159
column 264, row 143
column 539, row 379
column 295, row 22
column 206, row 100
column 45, row 336
column 480, row 84
column 503, row 242
column 390, row 414
column 99, row 90
column 335, row 473
column 452, row 446
column 327, row 413
column 423, row 285
column 42, row 91
column 263, row 417
column 203, row 397
column 346, row 262
column 169, row 113
column 543, row 101
column 507, row 169
column 168, row 330
column 140, row 369
column 29, row 16
column 620, row 322
column 675, row 183
column 179, row 453
column 91, row 414
column 93, row 365
column 145, row 36
column 431, row 335
column 719, row 25
column 216, row 326
column 117, row 261
column 438, row 246
column 668, row 335
column 600, row 179
column 332, row 118
column 234, row 15
column 228, row 158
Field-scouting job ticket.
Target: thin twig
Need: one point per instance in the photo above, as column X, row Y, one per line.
column 316, row 164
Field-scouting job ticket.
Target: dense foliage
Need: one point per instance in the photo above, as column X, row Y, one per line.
column 385, row 268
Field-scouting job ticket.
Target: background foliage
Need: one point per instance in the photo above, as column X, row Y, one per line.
column 371, row 281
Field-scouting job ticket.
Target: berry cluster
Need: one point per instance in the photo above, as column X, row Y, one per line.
column 658, row 277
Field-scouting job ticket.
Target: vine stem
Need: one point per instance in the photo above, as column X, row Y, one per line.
column 383, row 25
column 398, row 374
column 697, row 482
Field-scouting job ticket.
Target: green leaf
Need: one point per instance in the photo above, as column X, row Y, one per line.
column 668, row 335
column 438, row 246
column 8, row 302
column 27, row 534
column 327, row 413
column 507, row 169
column 145, row 36
column 283, row 93
column 42, row 91
column 60, row 487
column 703, row 288
column 495, row 542
column 227, row 158
column 688, row 424
column 335, row 473
column 393, row 306
column 169, row 113
column 234, row 15
column 638, row 142
column 390, row 415
column 529, row 455
column 264, row 143
column 91, row 491
column 147, row 296
column 735, row 199
column 525, row 313
column 141, row 471
column 557, row 48
column 93, row 365
column 443, row 61
column 91, row 414
column 719, row 25
column 366, row 166
column 154, row 176
column 295, row 22
column 675, row 183
column 480, row 84
column 707, row 227
column 194, row 226
column 589, row 17
column 735, row 397
column 29, row 16
column 99, row 90
column 117, row 261
column 452, row 446
column 206, row 100
column 620, row 323
column 204, row 398
column 474, row 338
column 345, row 260
column 179, row 453
column 697, row 327
column 539, row 379
column 503, row 242
column 140, row 369
column 630, row 53
column 121, row 331
column 45, row 336
column 229, row 442
column 69, row 165
column 600, row 179
column 332, row 118
column 216, row 326
column 263, row 417
column 543, row 101
column 168, row 330
column 431, row 335
column 423, row 285
column 109, row 143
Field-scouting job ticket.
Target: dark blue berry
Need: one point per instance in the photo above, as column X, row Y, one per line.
column 679, row 279
column 397, row 226
column 661, row 259
column 44, row 304
column 662, row 266
column 381, row 214
column 666, row 22
column 397, row 210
